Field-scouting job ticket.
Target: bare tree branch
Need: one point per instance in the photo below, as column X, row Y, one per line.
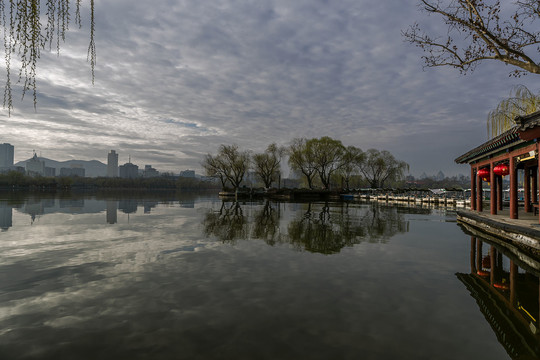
column 476, row 32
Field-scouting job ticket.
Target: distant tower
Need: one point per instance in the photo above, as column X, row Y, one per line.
column 6, row 155
column 112, row 164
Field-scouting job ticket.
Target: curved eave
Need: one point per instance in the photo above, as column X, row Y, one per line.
column 505, row 140
column 528, row 121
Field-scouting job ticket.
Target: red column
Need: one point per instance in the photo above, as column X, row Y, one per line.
column 527, row 189
column 492, row 255
column 500, row 192
column 534, row 185
column 537, row 174
column 473, row 255
column 513, row 190
column 493, row 191
column 478, row 254
column 513, row 279
column 473, row 188
column 538, row 183
column 479, row 194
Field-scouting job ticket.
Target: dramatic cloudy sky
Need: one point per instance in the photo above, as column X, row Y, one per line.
column 177, row 78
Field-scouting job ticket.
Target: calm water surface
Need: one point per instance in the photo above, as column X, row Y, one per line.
column 192, row 277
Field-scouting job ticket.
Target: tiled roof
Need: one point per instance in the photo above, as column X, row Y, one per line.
column 523, row 122
column 528, row 121
column 508, row 137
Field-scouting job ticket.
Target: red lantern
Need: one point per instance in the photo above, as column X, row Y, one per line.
column 483, row 173
column 501, row 169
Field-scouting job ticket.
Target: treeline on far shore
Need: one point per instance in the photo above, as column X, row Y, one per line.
column 14, row 180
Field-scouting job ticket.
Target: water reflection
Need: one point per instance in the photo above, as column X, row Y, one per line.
column 72, row 286
column 314, row 226
column 227, row 224
column 112, row 208
column 505, row 284
column 39, row 204
column 6, row 215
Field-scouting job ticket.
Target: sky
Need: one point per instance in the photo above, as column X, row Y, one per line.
column 175, row 79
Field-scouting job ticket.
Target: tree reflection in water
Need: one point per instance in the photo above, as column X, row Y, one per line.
column 318, row 227
column 228, row 224
column 266, row 224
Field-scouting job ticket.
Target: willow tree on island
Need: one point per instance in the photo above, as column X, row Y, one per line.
column 30, row 28
column 380, row 167
column 328, row 157
column 302, row 160
column 229, row 165
column 353, row 158
column 267, row 165
column 479, row 30
column 213, row 166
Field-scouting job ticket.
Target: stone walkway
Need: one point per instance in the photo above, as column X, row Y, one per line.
column 525, row 230
column 528, row 220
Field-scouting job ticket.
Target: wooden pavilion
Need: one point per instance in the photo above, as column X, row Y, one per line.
column 514, row 151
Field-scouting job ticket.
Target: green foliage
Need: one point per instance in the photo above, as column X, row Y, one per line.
column 353, row 158
column 522, row 101
column 302, row 160
column 29, row 28
column 18, row 180
column 15, row 179
column 328, row 157
column 380, row 167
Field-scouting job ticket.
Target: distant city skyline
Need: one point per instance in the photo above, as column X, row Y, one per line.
column 129, row 170
column 37, row 165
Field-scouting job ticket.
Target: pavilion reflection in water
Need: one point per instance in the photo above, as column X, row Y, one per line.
column 505, row 285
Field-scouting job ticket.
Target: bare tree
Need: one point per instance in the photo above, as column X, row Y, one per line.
column 267, row 165
column 234, row 163
column 479, row 30
column 213, row 167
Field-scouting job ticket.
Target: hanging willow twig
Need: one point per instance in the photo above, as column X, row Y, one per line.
column 522, row 101
column 25, row 36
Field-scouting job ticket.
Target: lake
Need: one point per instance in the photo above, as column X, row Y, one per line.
column 186, row 276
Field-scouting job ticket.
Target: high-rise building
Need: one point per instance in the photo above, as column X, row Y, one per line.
column 149, row 171
column 112, row 164
column 6, row 155
column 129, row 171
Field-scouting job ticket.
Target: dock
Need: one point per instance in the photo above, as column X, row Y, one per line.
column 524, row 231
column 434, row 200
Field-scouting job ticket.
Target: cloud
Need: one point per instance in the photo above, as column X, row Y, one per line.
column 178, row 78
